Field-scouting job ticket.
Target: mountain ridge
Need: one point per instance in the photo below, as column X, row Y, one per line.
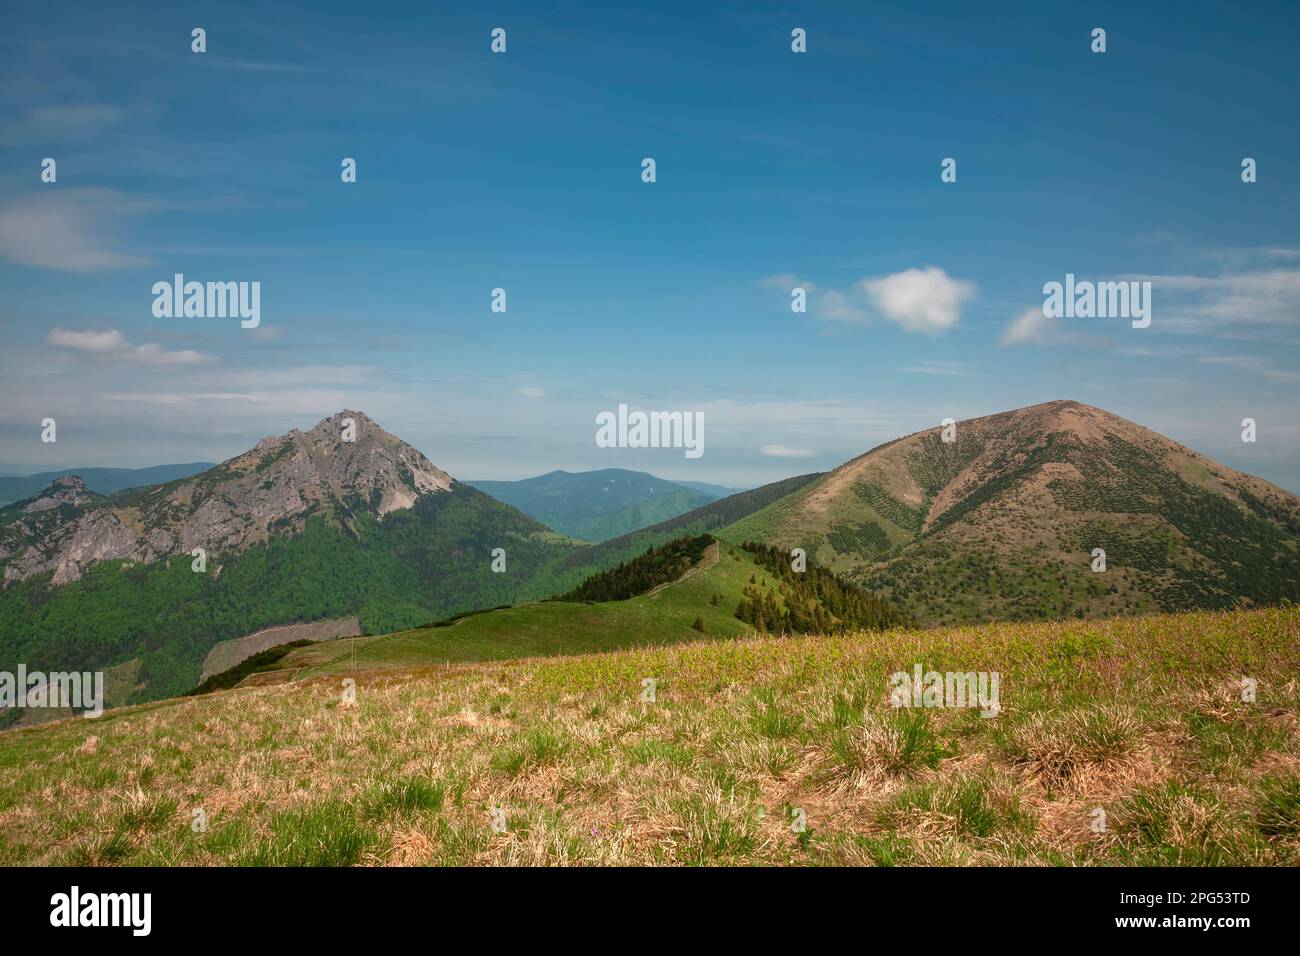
column 104, row 481
column 341, row 520
column 1000, row 523
column 599, row 504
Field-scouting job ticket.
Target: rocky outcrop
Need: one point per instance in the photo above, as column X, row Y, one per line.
column 68, row 490
column 344, row 466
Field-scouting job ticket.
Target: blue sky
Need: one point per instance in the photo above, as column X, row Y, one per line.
column 522, row 171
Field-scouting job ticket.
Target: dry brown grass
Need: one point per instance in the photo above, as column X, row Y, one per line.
column 1136, row 717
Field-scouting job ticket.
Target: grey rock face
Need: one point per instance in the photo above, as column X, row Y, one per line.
column 69, row 490
column 270, row 490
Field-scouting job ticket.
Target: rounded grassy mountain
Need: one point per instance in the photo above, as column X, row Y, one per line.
column 1002, row 521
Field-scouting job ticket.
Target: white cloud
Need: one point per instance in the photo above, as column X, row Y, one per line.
column 113, row 343
column 109, row 341
column 784, row 451
column 532, row 391
column 920, row 300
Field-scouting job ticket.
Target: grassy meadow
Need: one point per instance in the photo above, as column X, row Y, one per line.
column 557, row 627
column 1141, row 717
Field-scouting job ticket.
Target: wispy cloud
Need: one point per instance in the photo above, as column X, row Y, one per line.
column 786, row 281
column 112, row 343
column 1209, row 304
column 56, row 124
column 1031, row 327
column 836, row 306
column 784, row 451
column 1261, row 305
column 1253, row 364
column 938, row 368
column 254, row 66
column 72, row 230
column 1256, row 255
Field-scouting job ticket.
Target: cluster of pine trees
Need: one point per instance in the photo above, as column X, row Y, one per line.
column 657, row 566
column 814, row 601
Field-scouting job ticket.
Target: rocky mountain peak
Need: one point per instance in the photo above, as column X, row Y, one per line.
column 65, row 490
column 344, row 467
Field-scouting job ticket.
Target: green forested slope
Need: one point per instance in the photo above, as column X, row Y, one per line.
column 408, row 568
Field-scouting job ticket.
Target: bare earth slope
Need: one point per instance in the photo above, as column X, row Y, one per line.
column 229, row 653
